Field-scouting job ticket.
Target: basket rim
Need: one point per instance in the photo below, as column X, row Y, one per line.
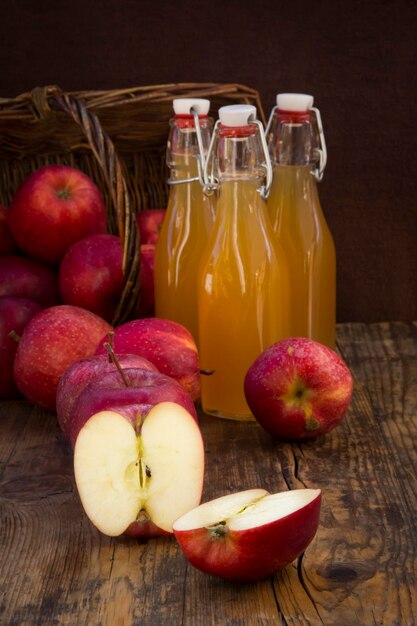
column 134, row 94
column 22, row 105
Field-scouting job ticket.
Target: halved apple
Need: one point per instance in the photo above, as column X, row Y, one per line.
column 249, row 535
column 151, row 474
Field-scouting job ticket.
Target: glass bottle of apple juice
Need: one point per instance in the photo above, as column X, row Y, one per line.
column 189, row 218
column 298, row 154
column 243, row 279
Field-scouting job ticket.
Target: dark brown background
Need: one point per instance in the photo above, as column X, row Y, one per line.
column 358, row 59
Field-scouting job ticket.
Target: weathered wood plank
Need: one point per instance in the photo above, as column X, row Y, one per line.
column 383, row 357
column 57, row 569
column 361, row 568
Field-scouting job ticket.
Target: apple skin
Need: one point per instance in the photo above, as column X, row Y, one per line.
column 55, row 207
column 7, row 243
column 150, row 223
column 83, row 372
column 255, row 553
column 26, row 278
column 15, row 313
column 298, row 389
column 166, row 344
column 147, row 288
column 91, row 275
column 51, row 342
column 146, row 389
column 145, row 530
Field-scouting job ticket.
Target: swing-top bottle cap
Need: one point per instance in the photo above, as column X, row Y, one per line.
column 298, row 102
column 237, row 114
column 183, row 106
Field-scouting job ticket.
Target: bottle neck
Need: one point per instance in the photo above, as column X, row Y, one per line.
column 293, row 139
column 182, row 147
column 237, row 155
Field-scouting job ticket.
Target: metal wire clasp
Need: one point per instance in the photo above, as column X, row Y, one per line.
column 321, row 150
column 200, row 156
column 265, row 189
column 211, row 183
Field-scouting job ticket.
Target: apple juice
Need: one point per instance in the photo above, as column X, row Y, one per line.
column 243, row 281
column 298, row 220
column 187, row 224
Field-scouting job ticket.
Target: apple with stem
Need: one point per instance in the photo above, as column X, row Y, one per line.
column 166, row 344
column 298, row 389
column 55, row 207
column 249, row 535
column 147, row 472
column 85, row 371
column 131, row 391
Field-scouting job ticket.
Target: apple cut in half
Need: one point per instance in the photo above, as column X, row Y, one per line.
column 249, row 535
column 154, row 472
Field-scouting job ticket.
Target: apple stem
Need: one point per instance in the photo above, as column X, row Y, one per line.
column 113, row 359
column 64, row 194
column 13, row 335
column 110, row 335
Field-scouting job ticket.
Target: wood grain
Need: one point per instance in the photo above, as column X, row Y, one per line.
column 58, row 569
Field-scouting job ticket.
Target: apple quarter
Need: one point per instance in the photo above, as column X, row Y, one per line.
column 249, row 535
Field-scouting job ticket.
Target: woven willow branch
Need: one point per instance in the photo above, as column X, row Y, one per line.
column 122, row 220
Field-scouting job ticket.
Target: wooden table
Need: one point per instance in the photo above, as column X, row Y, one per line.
column 56, row 568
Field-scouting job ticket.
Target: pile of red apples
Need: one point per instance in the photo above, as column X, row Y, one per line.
column 55, row 250
column 125, row 397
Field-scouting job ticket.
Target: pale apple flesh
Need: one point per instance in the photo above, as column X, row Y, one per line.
column 154, row 472
column 249, row 535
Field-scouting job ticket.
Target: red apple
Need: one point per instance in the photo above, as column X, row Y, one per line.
column 7, row 243
column 55, row 207
column 298, row 389
column 147, row 289
column 25, row 278
column 249, row 535
column 50, row 343
column 81, row 373
column 166, row 344
column 132, row 396
column 91, row 275
column 150, row 471
column 15, row 313
column 150, row 223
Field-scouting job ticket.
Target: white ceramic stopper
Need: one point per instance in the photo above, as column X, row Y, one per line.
column 237, row 114
column 294, row 101
column 183, row 106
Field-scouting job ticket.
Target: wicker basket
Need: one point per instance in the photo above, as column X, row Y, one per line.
column 116, row 137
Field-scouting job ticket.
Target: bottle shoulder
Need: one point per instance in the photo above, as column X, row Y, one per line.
column 294, row 204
